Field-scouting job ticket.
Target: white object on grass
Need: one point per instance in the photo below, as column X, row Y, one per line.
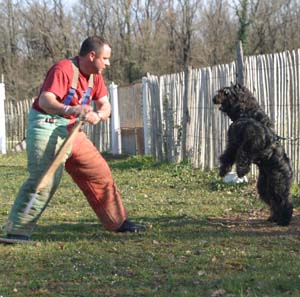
column 232, row 177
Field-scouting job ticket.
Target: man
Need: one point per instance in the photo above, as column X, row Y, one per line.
column 66, row 93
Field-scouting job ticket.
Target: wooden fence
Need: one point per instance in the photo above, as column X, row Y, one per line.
column 16, row 114
column 129, row 114
column 184, row 124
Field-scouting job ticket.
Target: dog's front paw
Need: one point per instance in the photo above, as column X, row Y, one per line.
column 242, row 171
column 223, row 170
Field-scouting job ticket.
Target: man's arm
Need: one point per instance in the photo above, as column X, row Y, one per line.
column 103, row 108
column 51, row 105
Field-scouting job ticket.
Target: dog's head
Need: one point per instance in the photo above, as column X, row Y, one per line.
column 235, row 101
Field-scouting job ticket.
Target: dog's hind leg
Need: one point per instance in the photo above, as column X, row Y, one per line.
column 265, row 194
column 281, row 176
column 281, row 210
column 262, row 187
column 274, row 190
column 280, row 204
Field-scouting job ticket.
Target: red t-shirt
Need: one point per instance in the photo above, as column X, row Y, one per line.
column 59, row 80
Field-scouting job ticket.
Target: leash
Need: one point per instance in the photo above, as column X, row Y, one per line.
column 278, row 137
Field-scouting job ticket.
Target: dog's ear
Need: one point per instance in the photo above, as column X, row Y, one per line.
column 235, row 87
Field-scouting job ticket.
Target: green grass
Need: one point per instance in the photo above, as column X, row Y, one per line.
column 204, row 238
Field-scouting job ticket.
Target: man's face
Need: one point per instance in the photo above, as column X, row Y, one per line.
column 102, row 61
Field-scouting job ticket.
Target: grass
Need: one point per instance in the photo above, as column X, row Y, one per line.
column 204, row 238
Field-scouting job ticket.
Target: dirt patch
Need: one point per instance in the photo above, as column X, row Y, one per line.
column 255, row 222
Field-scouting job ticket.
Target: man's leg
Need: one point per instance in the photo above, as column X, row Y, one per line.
column 92, row 174
column 43, row 140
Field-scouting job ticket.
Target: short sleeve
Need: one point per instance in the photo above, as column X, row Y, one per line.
column 57, row 81
column 99, row 87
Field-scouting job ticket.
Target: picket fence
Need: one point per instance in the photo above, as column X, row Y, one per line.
column 126, row 121
column 183, row 124
column 16, row 115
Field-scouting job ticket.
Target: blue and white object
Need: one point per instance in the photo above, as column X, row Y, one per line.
column 232, row 177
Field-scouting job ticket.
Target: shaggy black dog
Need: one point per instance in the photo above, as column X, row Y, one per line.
column 251, row 139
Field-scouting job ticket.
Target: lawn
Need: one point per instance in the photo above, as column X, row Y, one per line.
column 204, row 238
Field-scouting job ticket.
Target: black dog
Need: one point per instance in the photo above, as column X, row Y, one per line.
column 251, row 139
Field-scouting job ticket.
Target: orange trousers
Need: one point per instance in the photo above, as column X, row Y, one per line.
column 92, row 174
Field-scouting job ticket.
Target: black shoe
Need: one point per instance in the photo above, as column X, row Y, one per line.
column 129, row 226
column 17, row 237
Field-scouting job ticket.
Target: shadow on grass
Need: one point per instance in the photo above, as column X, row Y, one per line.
column 124, row 162
column 169, row 228
column 12, row 166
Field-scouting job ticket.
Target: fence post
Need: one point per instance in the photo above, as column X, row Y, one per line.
column 2, row 118
column 185, row 115
column 239, row 63
column 146, row 117
column 115, row 120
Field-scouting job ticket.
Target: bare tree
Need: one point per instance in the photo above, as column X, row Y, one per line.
column 9, row 45
column 242, row 12
column 34, row 34
column 217, row 35
column 147, row 18
column 274, row 25
column 94, row 15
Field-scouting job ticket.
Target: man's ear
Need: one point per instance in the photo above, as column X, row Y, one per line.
column 92, row 55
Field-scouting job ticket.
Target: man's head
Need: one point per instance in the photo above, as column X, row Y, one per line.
column 94, row 54
column 93, row 43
